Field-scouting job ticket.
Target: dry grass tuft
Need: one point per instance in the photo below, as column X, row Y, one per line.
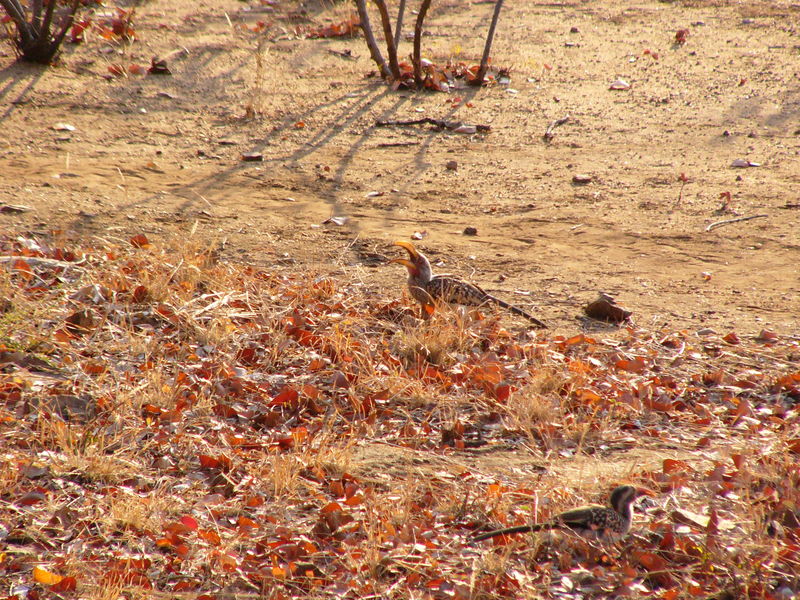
column 438, row 342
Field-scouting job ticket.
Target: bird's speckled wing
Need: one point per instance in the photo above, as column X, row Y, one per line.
column 456, row 291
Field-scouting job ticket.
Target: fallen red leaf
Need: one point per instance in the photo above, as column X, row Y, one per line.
column 681, row 36
column 212, row 537
column 635, row 365
column 731, row 338
column 139, row 241
column 672, row 465
column 67, row 584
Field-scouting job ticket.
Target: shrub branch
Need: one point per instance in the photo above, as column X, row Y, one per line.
column 35, row 42
column 391, row 49
column 399, row 26
column 489, row 40
column 417, row 60
column 374, row 51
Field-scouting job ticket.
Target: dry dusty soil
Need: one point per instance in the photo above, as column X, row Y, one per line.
column 161, row 155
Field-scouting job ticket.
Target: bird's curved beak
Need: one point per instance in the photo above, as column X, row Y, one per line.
column 412, row 252
column 403, row 261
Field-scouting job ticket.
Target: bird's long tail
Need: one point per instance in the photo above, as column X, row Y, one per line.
column 510, row 530
column 518, row 311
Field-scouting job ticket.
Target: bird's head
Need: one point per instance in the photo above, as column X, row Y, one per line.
column 623, row 496
column 417, row 263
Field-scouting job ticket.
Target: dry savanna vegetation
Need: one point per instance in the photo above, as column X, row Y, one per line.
column 214, row 385
column 177, row 425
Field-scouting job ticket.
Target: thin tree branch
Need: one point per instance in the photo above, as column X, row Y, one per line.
column 737, row 220
column 391, row 49
column 374, row 51
column 398, row 28
column 36, row 18
column 488, row 47
column 17, row 14
column 59, row 37
column 417, row 59
column 44, row 30
column 14, row 10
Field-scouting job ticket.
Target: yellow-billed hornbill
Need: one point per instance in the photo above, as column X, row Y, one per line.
column 592, row 522
column 429, row 289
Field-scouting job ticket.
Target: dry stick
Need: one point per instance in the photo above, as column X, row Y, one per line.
column 397, row 144
column 441, row 123
column 726, row 221
column 374, row 52
column 548, row 134
column 342, row 53
column 488, row 47
column 399, row 26
column 417, row 59
column 387, row 35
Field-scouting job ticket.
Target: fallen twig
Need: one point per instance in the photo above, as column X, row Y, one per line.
column 343, row 53
column 396, row 144
column 456, row 126
column 736, row 220
column 40, row 261
column 548, row 133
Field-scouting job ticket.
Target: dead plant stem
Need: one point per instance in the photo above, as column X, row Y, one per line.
column 369, row 36
column 489, row 40
column 399, row 25
column 417, row 58
column 387, row 34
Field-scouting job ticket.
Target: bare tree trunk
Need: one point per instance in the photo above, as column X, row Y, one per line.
column 59, row 37
column 417, row 60
column 391, row 49
column 36, row 18
column 17, row 14
column 44, row 29
column 488, row 47
column 399, row 27
column 374, row 51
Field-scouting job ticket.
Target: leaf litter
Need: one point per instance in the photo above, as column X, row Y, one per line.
column 176, row 423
